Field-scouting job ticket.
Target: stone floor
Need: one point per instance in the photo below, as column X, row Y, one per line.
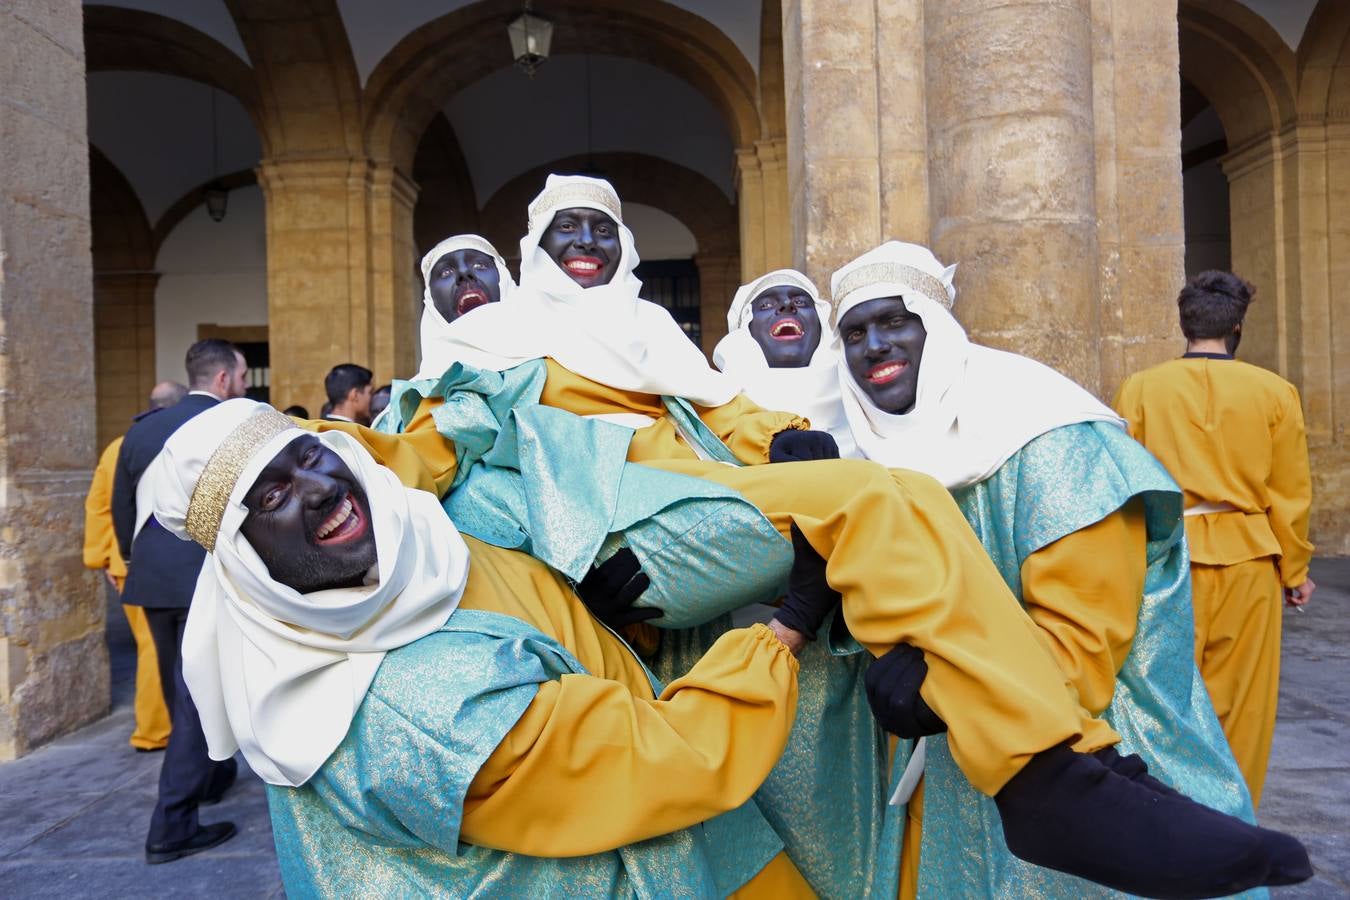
column 75, row 812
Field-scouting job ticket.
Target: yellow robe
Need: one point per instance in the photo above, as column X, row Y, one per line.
column 1232, row 433
column 100, row 552
column 561, row 782
column 1004, row 700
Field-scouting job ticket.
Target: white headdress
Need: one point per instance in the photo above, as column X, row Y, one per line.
column 273, row 672
column 974, row 406
column 811, row 391
column 435, row 356
column 605, row 333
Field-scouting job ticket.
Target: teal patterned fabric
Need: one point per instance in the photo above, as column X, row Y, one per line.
column 1057, row 484
column 381, row 818
column 559, row 487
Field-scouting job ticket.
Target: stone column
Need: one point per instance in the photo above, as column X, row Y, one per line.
column 53, row 660
column 124, row 348
column 750, row 207
column 718, row 278
column 856, row 132
column 340, row 261
column 1011, row 174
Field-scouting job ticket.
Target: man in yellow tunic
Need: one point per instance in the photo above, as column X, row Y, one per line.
column 442, row 717
column 1232, row 436
column 897, row 549
column 100, row 552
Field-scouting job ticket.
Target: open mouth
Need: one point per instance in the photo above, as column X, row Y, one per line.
column 788, row 329
column 583, row 266
column 345, row 523
column 471, row 298
column 887, row 372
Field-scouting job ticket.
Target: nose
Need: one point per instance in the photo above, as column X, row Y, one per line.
column 585, row 237
column 314, row 489
column 876, row 345
column 465, row 273
column 785, row 304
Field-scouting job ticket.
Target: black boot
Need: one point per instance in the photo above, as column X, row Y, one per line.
column 1067, row 811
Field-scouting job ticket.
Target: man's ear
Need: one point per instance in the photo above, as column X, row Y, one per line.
column 352, row 394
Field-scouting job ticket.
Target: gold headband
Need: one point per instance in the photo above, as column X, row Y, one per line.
column 212, row 491
column 907, row 277
column 566, row 196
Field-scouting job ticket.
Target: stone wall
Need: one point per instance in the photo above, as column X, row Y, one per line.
column 53, row 661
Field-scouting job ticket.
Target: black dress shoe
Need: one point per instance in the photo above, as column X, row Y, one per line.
column 207, row 836
column 1070, row 812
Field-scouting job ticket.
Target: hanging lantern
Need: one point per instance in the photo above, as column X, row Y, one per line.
column 217, row 197
column 530, row 39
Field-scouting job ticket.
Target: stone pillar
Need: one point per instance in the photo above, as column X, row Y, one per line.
column 340, row 261
column 856, row 131
column 718, row 278
column 1012, row 173
column 53, row 660
column 124, row 348
column 772, row 155
column 750, row 208
column 1141, row 232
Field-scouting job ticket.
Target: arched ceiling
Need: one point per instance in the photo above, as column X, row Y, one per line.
column 1288, row 17
column 635, row 107
column 211, row 17
column 156, row 129
column 374, row 28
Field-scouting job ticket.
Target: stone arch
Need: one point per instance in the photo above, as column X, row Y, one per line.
column 194, row 198
column 687, row 195
column 1324, row 63
column 123, row 247
column 129, row 40
column 409, row 86
column 1240, row 63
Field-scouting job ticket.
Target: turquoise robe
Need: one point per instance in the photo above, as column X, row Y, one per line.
column 1059, row 483
column 381, row 817
column 519, row 485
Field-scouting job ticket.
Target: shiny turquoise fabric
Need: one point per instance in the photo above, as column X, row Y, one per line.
column 559, row 487
column 381, row 818
column 1057, row 484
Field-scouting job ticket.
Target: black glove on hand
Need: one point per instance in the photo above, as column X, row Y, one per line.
column 610, row 589
column 893, row 683
column 809, row 596
column 797, row 446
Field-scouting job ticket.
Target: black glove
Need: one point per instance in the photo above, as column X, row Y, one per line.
column 809, row 596
column 610, row 589
column 893, row 683
column 797, row 446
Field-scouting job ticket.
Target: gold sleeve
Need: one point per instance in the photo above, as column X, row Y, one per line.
column 1290, row 487
column 100, row 544
column 1083, row 591
column 746, row 428
column 1126, row 405
column 591, row 767
column 420, row 456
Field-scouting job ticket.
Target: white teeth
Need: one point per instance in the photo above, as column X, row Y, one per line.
column 886, row 372
column 340, row 515
column 582, row 266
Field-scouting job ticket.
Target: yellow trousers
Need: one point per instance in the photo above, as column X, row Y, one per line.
column 152, row 716
column 910, row 569
column 1238, row 616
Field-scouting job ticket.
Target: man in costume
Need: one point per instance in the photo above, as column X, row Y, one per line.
column 1083, row 525
column 1018, row 734
column 779, row 352
column 460, row 274
column 1232, row 435
column 151, row 731
column 438, row 716
column 161, row 574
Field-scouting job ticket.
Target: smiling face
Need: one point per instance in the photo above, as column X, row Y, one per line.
column 786, row 326
column 883, row 347
column 309, row 519
column 585, row 244
column 462, row 280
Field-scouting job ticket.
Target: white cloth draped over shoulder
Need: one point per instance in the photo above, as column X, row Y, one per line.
column 435, row 356
column 273, row 672
column 605, row 333
column 811, row 391
column 975, row 406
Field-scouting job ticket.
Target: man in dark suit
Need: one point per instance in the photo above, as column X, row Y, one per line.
column 348, row 387
column 162, row 575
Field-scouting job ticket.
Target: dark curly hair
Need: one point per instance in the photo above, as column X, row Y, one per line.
column 1212, row 304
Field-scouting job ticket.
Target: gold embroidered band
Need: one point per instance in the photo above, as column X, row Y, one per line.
column 567, row 196
column 907, row 277
column 217, row 481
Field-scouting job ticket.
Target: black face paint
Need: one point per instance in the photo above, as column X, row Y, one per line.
column 883, row 347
